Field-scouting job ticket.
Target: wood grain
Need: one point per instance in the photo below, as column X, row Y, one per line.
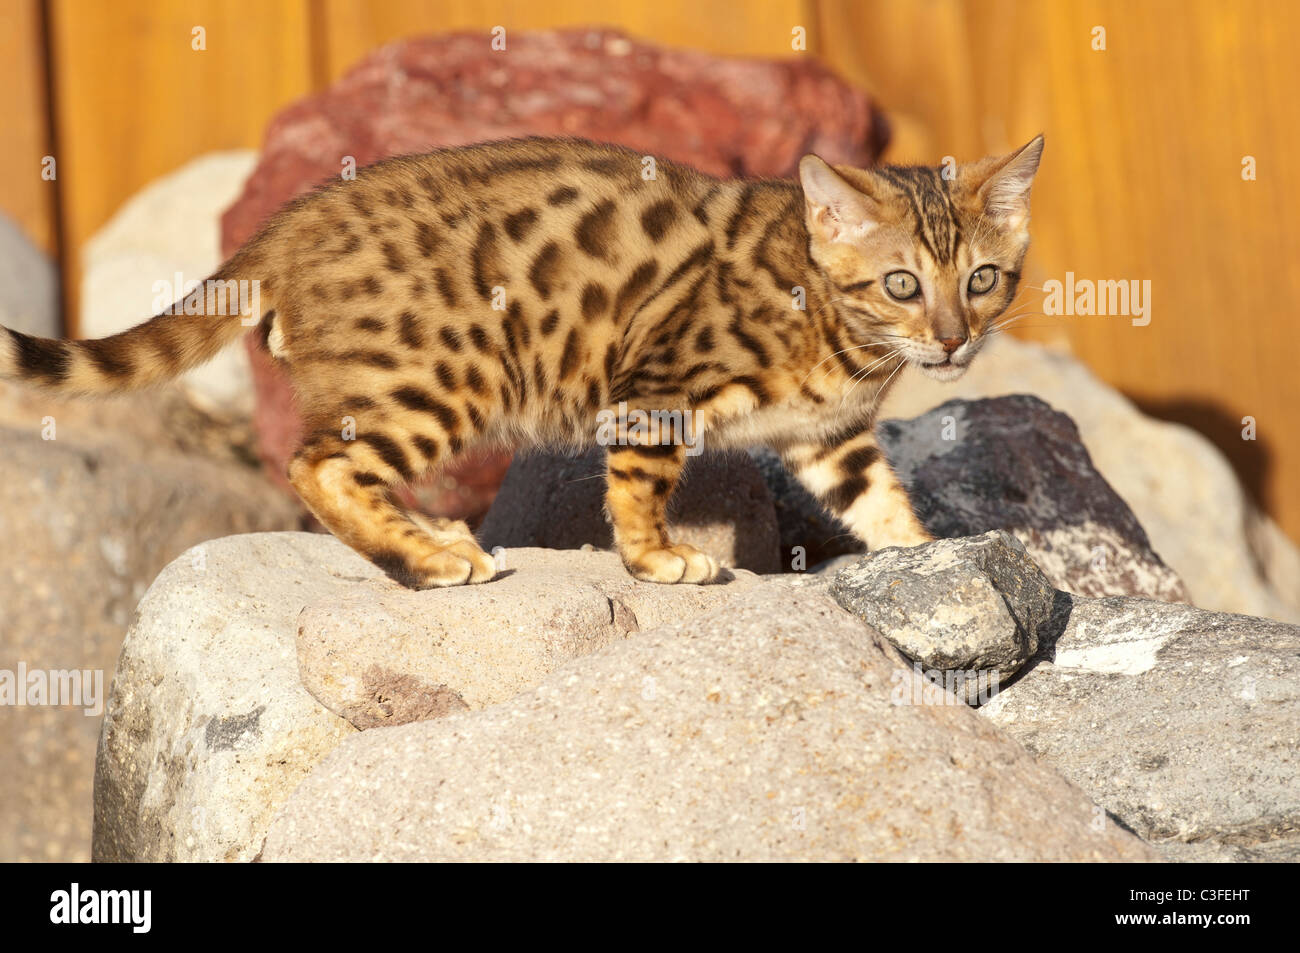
column 134, row 100
column 24, row 196
column 754, row 28
column 1141, row 179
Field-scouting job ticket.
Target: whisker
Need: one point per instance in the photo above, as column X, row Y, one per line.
column 1028, row 327
column 1017, row 318
column 858, row 379
column 856, row 347
column 886, row 384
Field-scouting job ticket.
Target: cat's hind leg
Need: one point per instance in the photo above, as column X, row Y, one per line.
column 346, row 484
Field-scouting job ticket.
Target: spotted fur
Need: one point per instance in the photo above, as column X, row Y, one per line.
column 526, row 291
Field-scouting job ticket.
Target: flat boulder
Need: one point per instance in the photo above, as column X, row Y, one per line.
column 383, row 655
column 252, row 657
column 773, row 728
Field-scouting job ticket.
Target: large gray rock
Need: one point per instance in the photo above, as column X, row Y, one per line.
column 29, row 284
column 774, row 728
column 1182, row 723
column 210, row 726
column 557, row 501
column 967, row 604
column 89, row 523
column 381, row 655
column 1231, row 557
column 1007, row 463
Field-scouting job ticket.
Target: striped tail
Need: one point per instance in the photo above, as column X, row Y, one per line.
column 220, row 310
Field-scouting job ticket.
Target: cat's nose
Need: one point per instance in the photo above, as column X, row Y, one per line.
column 951, row 344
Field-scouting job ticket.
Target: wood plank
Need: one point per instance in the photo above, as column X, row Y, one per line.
column 755, row 28
column 134, row 100
column 24, row 114
column 1141, row 180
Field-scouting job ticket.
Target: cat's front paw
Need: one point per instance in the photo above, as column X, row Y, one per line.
column 459, row 563
column 900, row 529
column 680, row 563
column 916, row 537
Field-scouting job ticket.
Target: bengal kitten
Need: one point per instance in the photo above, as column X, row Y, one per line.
column 510, row 292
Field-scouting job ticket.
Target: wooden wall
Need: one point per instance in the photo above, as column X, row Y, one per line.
column 1141, row 177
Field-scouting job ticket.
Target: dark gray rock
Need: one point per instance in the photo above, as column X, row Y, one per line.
column 554, row 500
column 1182, row 723
column 1014, row 463
column 801, row 520
column 1008, row 463
column 968, row 604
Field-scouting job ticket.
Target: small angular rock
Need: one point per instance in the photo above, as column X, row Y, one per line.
column 977, row 603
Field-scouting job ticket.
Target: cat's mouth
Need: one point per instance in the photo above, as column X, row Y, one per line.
column 945, row 370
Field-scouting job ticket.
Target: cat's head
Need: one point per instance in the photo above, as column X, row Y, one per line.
column 921, row 260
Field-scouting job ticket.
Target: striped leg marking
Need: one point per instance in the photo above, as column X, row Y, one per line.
column 640, row 482
column 346, row 486
column 856, row 482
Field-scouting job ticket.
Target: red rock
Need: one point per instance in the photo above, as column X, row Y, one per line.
column 728, row 117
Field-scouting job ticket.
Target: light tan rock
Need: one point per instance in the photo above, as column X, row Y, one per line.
column 208, row 729
column 381, row 655
column 776, row 727
column 170, row 227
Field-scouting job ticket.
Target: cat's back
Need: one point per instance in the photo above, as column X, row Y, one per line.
column 535, row 224
column 518, row 184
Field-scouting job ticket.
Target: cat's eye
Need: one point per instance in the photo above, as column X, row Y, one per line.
column 901, row 285
column 982, row 280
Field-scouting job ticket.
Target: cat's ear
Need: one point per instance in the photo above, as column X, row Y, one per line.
column 836, row 210
column 1001, row 184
